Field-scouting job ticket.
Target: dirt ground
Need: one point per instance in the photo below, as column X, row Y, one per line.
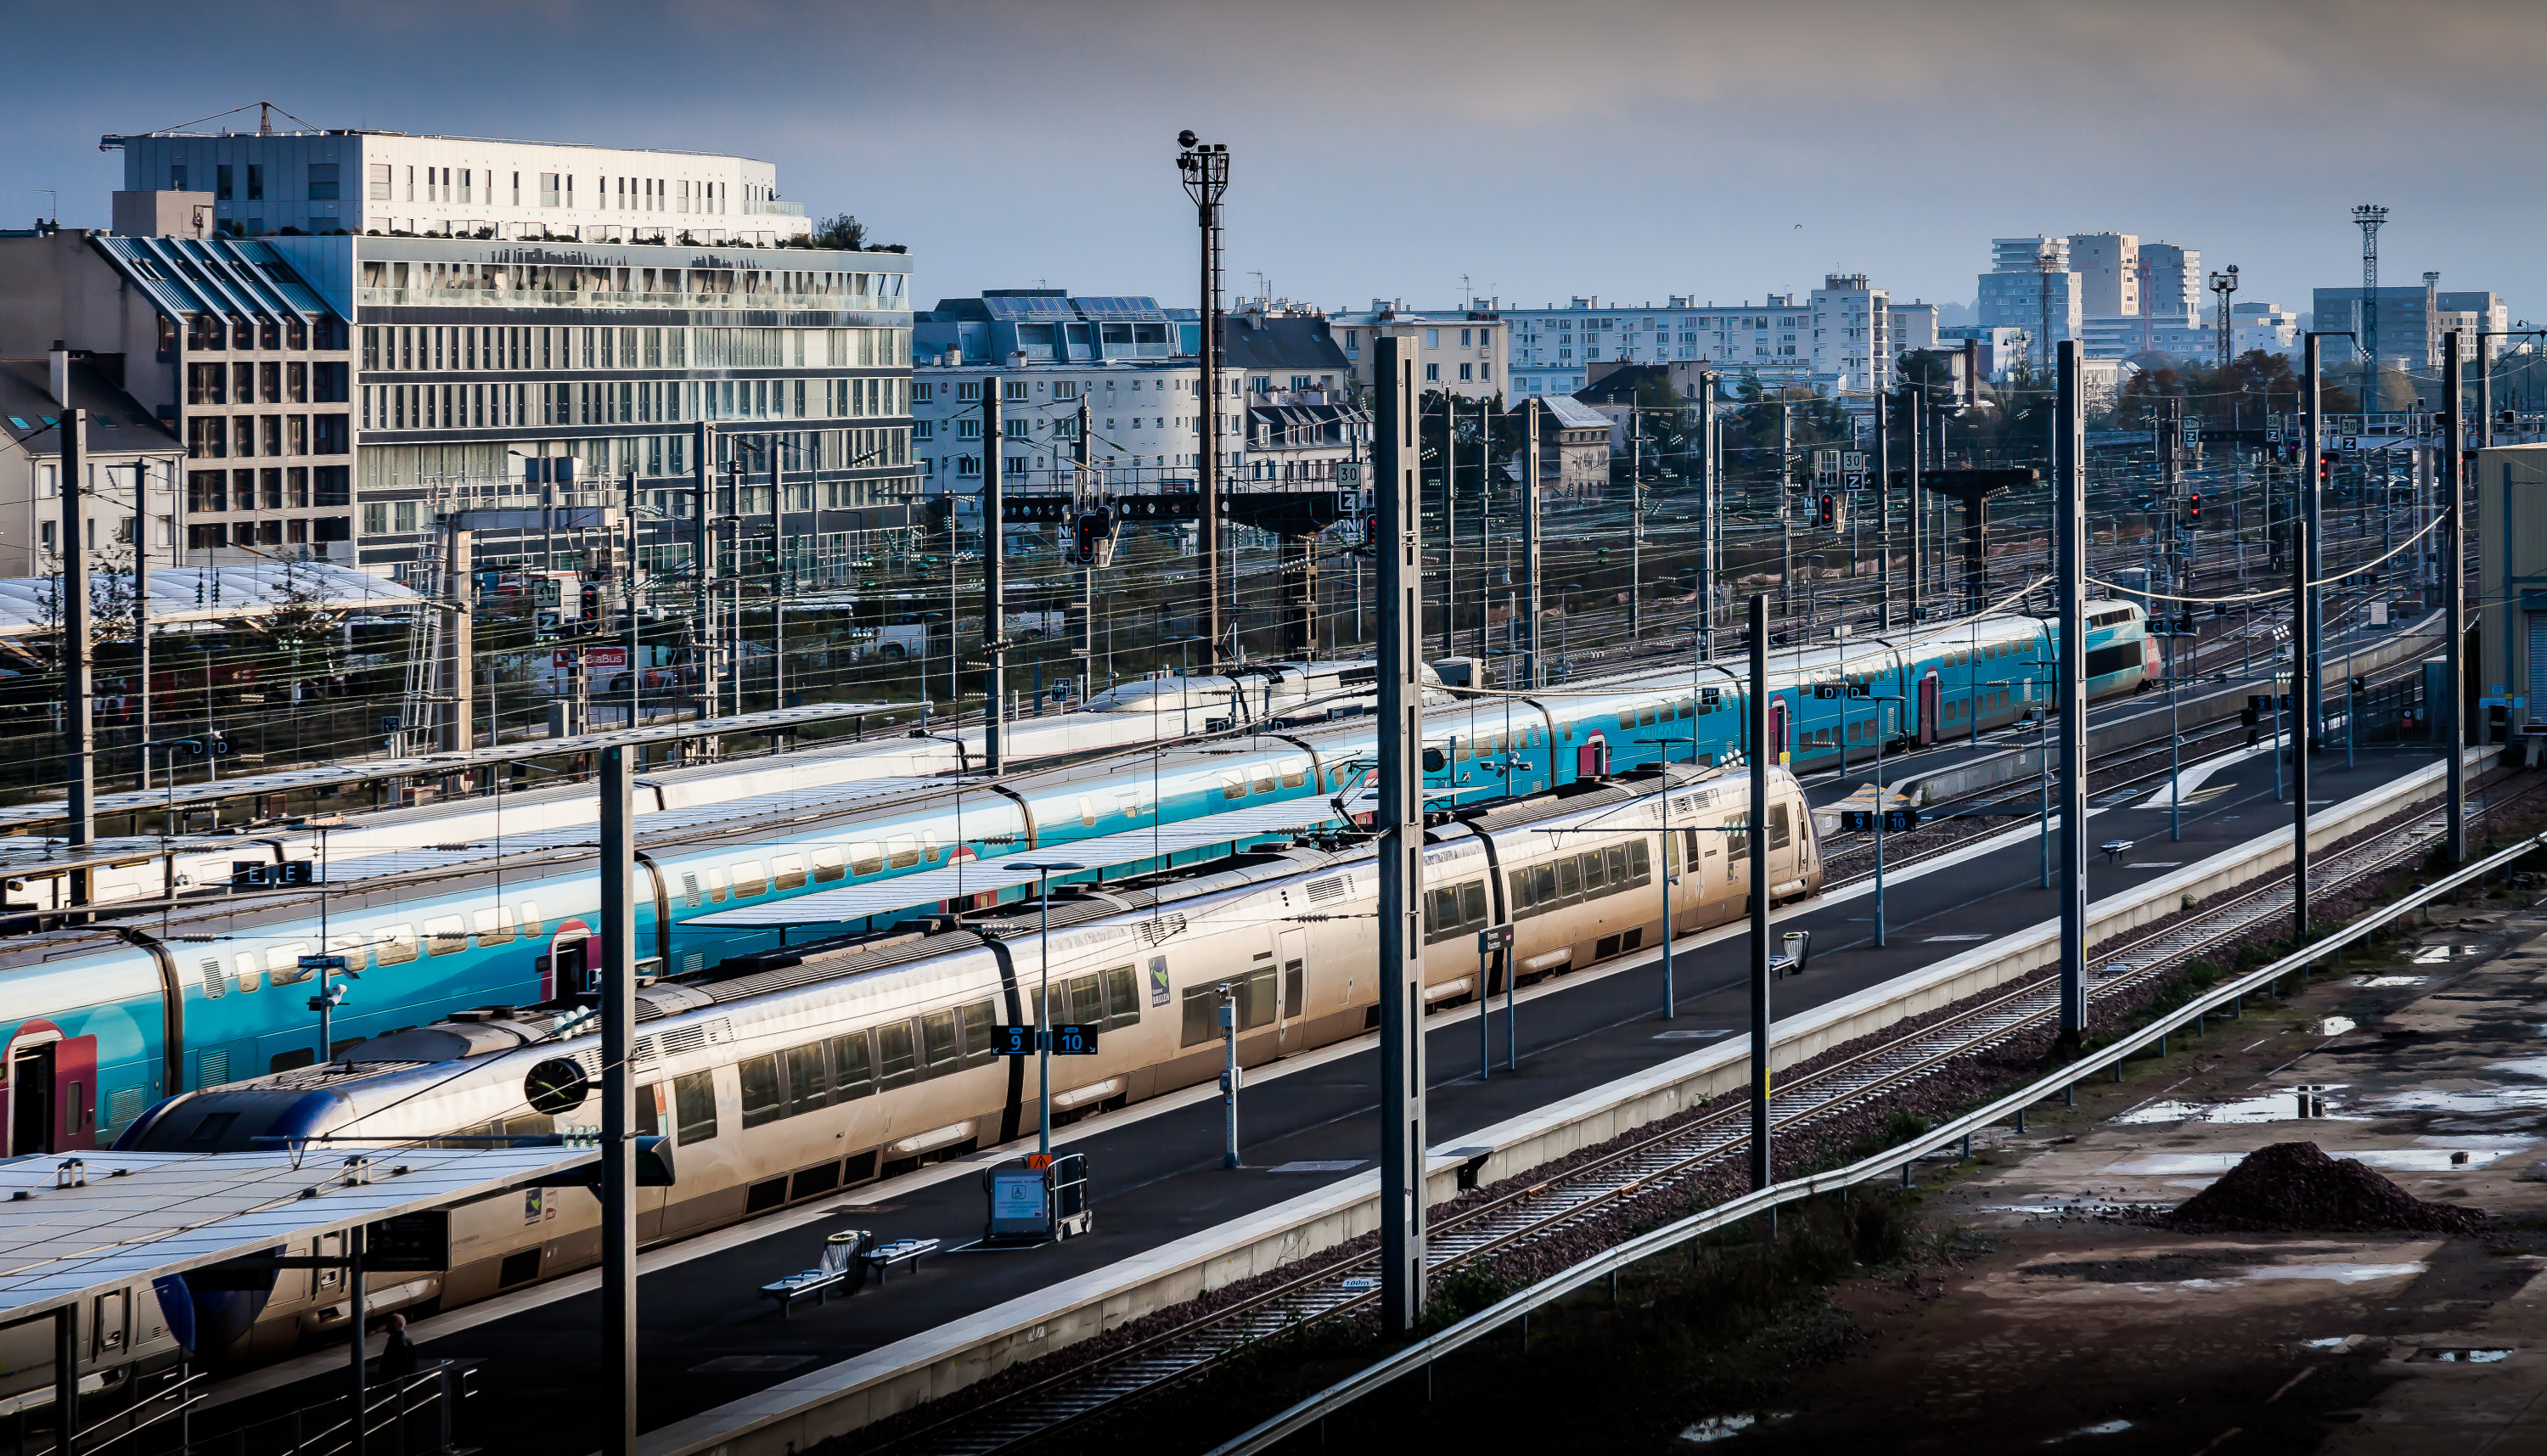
column 2071, row 1320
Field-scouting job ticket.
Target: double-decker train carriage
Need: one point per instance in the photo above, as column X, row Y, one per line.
column 782, row 1076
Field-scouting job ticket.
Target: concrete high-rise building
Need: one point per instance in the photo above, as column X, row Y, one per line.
column 2108, row 266
column 2172, row 288
column 2032, row 287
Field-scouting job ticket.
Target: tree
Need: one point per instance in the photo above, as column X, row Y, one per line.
column 844, row 232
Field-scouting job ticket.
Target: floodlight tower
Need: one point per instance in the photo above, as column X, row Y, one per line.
column 2225, row 284
column 2370, row 217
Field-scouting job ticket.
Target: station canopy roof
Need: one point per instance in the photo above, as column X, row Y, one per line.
column 30, row 606
column 94, row 1221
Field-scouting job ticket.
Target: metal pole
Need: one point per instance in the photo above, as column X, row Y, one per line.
column 1635, row 527
column 1400, row 823
column 1884, row 549
column 2070, row 468
column 65, row 1376
column 1043, row 1021
column 142, row 602
column 2451, row 479
column 1918, row 521
column 1228, row 1014
column 703, row 590
column 359, row 1426
column 2304, row 724
column 1534, row 672
column 1761, row 761
column 617, row 973
column 79, row 728
column 1711, row 527
column 995, row 631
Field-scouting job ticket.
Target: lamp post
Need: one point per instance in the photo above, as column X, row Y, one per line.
column 1204, row 167
column 1045, row 870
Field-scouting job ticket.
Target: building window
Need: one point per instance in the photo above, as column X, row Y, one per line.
column 177, row 177
column 1432, row 374
column 517, row 189
column 255, row 181
column 322, row 181
column 221, row 183
column 1432, row 338
column 548, row 192
column 376, row 176
column 376, row 519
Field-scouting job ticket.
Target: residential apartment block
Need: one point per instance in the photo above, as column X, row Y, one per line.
column 1459, row 351
column 131, row 465
column 390, row 183
column 1844, row 338
column 2031, row 285
column 1127, row 362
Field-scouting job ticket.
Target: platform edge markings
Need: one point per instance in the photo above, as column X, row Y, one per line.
column 1790, row 1038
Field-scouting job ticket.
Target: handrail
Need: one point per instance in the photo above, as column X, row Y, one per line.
column 1423, row 1353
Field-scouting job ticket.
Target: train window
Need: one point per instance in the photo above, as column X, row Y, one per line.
column 928, row 845
column 1628, row 718
column 250, row 975
column 1233, row 785
column 1472, row 902
column 865, row 859
column 1688, row 709
column 691, row 896
column 391, row 945
column 1256, row 1002
column 830, row 865
column 349, row 944
column 937, row 1040
column 650, row 1109
column 853, row 1069
column 1641, row 863
column 1295, row 773
column 1440, row 914
column 1647, row 716
column 495, row 926
column 1569, row 879
column 761, row 1102
column 979, row 1020
column 1779, row 835
column 283, row 962
column 809, row 1079
column 1594, row 874
column 694, row 1107
column 1525, row 901
column 1264, row 778
column 217, row 982
column 445, row 935
column 901, row 851
column 894, row 1064
column 1201, row 1024
column 1463, row 750
column 716, row 886
column 531, row 925
column 748, row 879
column 1086, row 1002
column 1738, row 843
column 788, row 870
column 1615, row 861
column 1087, row 811
column 1122, row 996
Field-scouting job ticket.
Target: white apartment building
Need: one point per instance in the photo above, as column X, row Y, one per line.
column 2266, row 326
column 391, row 183
column 1128, row 363
column 1460, row 351
column 1844, row 338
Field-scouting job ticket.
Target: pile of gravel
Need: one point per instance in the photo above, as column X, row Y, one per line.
column 2295, row 1185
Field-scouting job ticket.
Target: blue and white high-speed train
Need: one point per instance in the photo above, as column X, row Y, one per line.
column 474, row 904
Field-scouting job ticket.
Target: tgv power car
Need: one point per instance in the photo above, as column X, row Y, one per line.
column 490, row 900
column 783, row 1076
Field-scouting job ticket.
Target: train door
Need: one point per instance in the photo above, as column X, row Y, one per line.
column 1591, row 760
column 1785, row 876
column 1928, row 710
column 30, row 1100
column 568, row 967
column 1291, row 1022
column 1776, row 749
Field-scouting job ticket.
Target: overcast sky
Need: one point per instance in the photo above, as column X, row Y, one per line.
column 1541, row 150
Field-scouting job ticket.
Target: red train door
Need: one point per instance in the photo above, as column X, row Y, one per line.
column 1777, row 748
column 1927, row 710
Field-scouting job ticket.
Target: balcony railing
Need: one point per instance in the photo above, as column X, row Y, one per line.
column 607, row 298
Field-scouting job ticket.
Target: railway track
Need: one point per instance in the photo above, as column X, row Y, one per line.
column 1668, row 1158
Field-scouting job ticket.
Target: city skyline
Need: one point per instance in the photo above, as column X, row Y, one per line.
column 1637, row 153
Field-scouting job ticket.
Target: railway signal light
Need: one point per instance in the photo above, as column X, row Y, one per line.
column 1826, row 511
column 1093, row 539
column 2193, row 506
column 591, row 600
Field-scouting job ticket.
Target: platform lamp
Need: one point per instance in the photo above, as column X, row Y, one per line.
column 1045, row 870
